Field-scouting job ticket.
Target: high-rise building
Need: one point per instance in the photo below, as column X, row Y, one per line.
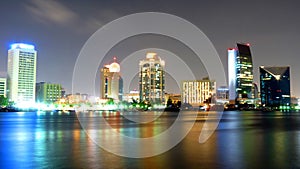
column 275, row 86
column 240, row 72
column 111, row 82
column 195, row 92
column 3, row 87
column 232, row 55
column 21, row 70
column 48, row 92
column 152, row 79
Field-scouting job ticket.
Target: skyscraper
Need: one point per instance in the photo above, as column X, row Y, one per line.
column 21, row 70
column 275, row 86
column 232, row 55
column 152, row 79
column 111, row 82
column 240, row 72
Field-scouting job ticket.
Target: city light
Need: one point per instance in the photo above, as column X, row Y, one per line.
column 151, row 55
column 21, row 46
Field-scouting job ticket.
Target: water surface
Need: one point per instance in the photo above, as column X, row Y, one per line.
column 57, row 140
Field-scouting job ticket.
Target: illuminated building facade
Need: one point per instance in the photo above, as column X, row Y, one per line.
column 275, row 87
column 174, row 97
column 3, row 87
column 74, row 98
column 152, row 79
column 132, row 96
column 196, row 92
column 222, row 95
column 111, row 82
column 240, row 72
column 232, row 55
column 21, row 70
column 48, row 92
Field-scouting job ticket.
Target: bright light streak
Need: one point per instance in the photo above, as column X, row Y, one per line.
column 20, row 113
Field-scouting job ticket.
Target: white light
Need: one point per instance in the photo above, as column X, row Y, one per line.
column 114, row 67
column 150, row 55
column 22, row 46
column 232, row 54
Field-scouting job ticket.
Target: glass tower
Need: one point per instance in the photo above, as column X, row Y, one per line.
column 275, row 86
column 152, row 82
column 21, row 70
column 240, row 72
column 244, row 71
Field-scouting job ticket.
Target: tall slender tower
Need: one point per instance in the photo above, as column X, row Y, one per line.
column 21, row 70
column 152, row 79
column 232, row 54
column 244, row 70
column 240, row 72
column 111, row 82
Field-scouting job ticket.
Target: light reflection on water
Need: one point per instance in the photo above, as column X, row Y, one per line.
column 56, row 140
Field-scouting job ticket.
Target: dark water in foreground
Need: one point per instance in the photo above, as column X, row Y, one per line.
column 57, row 140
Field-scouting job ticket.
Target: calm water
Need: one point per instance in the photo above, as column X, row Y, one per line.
column 57, row 140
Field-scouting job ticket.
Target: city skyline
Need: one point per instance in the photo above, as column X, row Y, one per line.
column 272, row 36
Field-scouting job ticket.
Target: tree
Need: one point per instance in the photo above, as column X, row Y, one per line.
column 3, row 101
column 110, row 101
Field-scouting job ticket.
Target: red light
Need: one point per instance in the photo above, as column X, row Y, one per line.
column 248, row 44
column 231, row 49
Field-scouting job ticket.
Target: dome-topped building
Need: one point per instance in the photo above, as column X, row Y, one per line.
column 111, row 81
column 114, row 67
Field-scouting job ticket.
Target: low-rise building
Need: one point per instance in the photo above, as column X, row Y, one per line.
column 48, row 92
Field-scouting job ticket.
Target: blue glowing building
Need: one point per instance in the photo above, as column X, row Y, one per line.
column 275, row 87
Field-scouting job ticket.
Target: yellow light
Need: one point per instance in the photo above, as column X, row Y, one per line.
column 151, row 55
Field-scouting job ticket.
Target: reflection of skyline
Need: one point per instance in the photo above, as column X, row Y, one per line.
column 57, row 140
column 266, row 141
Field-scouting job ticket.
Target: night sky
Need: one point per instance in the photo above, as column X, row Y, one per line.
column 59, row 29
